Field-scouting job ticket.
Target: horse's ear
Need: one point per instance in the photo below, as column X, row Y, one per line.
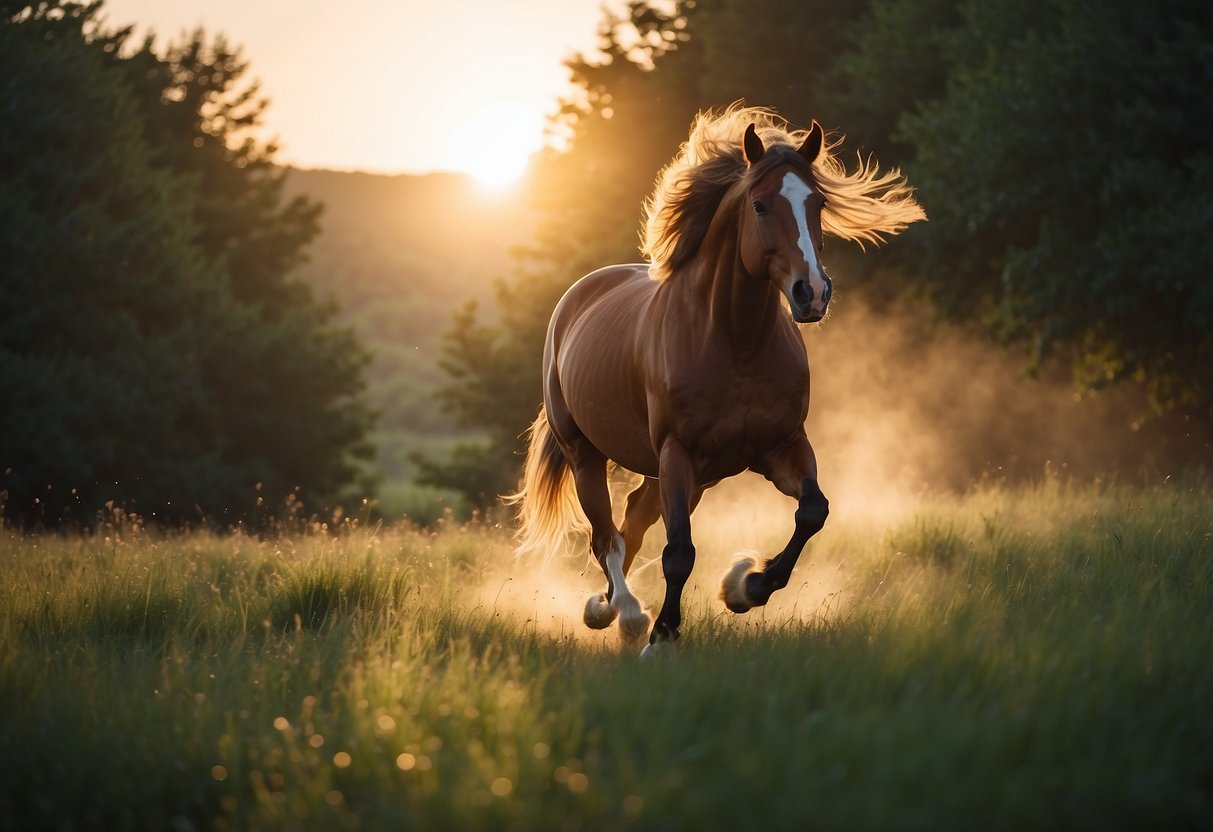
column 810, row 148
column 753, row 145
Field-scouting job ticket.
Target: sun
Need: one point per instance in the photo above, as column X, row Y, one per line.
column 494, row 144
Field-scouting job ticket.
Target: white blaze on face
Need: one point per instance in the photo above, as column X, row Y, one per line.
column 797, row 192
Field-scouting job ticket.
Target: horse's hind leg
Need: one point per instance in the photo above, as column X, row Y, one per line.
column 607, row 544
column 643, row 510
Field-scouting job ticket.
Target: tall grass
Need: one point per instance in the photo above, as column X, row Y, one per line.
column 1015, row 658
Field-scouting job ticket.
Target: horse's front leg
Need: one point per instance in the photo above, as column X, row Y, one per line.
column 794, row 472
column 677, row 478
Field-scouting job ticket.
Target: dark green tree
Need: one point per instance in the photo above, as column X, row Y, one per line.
column 154, row 349
column 203, row 119
column 1070, row 186
column 774, row 53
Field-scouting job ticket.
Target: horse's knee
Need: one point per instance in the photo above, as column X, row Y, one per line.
column 813, row 509
column 677, row 561
column 812, row 518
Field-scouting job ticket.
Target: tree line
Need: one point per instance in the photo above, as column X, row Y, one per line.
column 1058, row 147
column 156, row 352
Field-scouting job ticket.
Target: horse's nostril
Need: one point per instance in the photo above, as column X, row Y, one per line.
column 801, row 293
column 827, row 292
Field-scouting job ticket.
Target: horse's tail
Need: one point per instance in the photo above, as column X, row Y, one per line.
column 547, row 502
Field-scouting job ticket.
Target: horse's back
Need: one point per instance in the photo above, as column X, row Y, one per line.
column 590, row 363
column 616, row 289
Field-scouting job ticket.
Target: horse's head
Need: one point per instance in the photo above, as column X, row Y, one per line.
column 780, row 234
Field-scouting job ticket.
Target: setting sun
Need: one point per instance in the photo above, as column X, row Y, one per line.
column 494, row 144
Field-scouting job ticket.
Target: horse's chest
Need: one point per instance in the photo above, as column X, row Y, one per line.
column 732, row 426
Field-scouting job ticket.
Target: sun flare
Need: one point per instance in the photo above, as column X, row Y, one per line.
column 494, row 145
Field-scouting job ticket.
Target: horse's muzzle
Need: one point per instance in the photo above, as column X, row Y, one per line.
column 807, row 307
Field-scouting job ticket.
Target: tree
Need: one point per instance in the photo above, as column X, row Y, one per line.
column 1071, row 190
column 156, row 352
column 289, row 401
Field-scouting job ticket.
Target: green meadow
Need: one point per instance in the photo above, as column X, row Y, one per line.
column 1015, row 658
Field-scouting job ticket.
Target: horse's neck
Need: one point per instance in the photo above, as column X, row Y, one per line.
column 741, row 308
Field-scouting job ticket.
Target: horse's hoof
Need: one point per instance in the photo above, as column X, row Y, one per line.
column 598, row 613
column 633, row 622
column 658, row 651
column 732, row 586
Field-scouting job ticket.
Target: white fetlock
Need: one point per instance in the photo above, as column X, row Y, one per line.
column 598, row 613
column 658, row 651
column 633, row 620
column 732, row 586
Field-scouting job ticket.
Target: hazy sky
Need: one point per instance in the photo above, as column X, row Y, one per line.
column 388, row 85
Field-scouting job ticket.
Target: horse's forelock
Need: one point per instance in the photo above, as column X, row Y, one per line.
column 691, row 188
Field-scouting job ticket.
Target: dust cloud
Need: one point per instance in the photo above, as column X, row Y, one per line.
column 548, row 599
column 903, row 407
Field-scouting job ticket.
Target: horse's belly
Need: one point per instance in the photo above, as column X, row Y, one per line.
column 627, row 445
column 600, row 383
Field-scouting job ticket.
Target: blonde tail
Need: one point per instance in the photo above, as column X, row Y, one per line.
column 547, row 502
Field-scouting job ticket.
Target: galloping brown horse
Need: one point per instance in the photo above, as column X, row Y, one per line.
column 690, row 369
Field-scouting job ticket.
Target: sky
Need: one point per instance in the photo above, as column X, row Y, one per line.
column 395, row 86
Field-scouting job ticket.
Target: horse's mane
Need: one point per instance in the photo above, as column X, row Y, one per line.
column 863, row 205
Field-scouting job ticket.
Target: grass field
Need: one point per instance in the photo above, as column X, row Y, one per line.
column 1031, row 657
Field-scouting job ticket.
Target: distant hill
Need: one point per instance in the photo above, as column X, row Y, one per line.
column 398, row 254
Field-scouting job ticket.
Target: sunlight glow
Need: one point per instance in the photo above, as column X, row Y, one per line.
column 346, row 95
column 494, row 144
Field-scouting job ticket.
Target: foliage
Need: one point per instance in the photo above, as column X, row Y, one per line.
column 1056, row 144
column 158, row 350
column 1068, row 149
column 1015, row 659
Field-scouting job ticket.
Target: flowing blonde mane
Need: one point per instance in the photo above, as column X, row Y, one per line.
column 863, row 205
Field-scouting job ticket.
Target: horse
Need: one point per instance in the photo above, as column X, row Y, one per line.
column 690, row 368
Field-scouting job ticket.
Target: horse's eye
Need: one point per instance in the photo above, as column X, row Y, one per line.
column 759, row 207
